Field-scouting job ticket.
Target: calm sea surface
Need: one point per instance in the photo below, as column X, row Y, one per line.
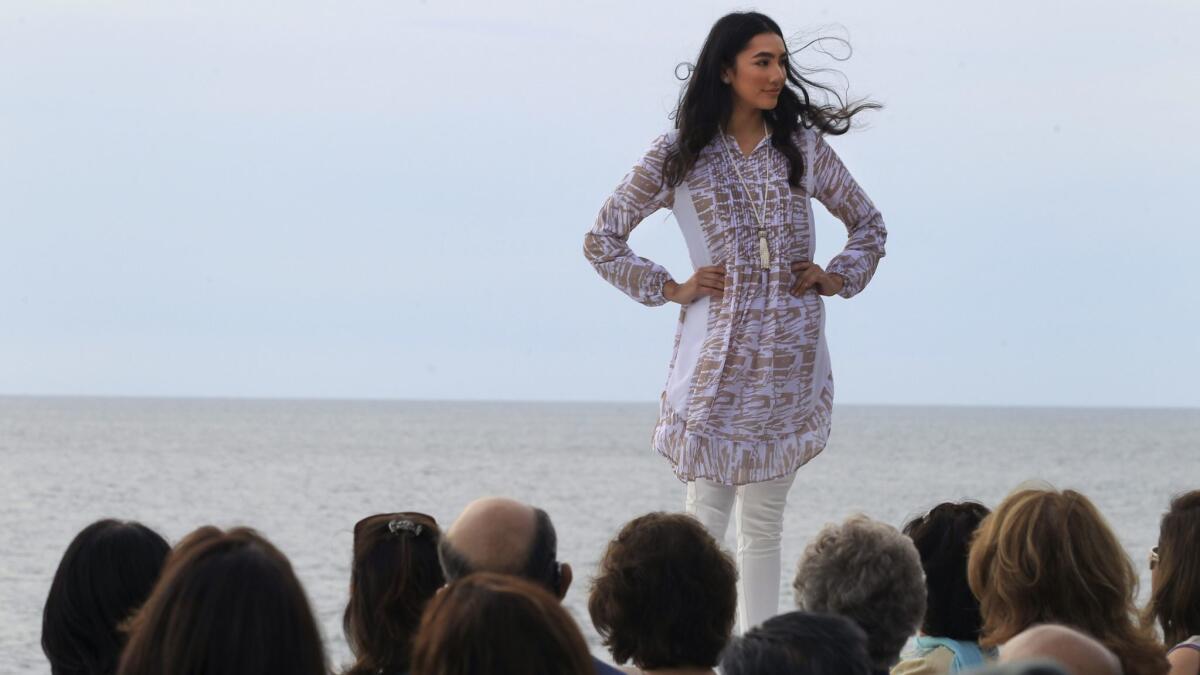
column 303, row 472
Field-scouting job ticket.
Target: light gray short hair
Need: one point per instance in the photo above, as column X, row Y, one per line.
column 867, row 571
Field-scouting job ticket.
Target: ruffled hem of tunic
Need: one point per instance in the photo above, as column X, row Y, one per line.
column 737, row 462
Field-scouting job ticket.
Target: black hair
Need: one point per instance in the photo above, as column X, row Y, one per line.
column 943, row 539
column 105, row 575
column 801, row 643
column 706, row 102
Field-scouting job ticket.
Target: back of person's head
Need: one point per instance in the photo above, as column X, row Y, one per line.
column 1078, row 653
column 800, row 643
column 943, row 538
column 498, row 624
column 227, row 603
column 1047, row 556
column 496, row 534
column 394, row 573
column 867, row 571
column 105, row 574
column 1175, row 578
column 665, row 594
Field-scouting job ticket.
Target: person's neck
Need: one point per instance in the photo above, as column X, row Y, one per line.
column 746, row 125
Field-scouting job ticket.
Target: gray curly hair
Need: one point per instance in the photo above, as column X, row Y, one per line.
column 867, row 571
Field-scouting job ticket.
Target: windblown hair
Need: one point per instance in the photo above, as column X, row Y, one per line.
column 105, row 575
column 706, row 102
column 800, row 643
column 665, row 594
column 1048, row 556
column 867, row 571
column 228, row 603
column 943, row 538
column 394, row 573
column 1175, row 594
column 498, row 624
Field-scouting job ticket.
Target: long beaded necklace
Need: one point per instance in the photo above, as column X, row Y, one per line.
column 759, row 210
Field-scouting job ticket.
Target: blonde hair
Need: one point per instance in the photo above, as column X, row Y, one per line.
column 1048, row 556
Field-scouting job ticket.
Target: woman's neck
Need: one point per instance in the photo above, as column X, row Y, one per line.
column 745, row 122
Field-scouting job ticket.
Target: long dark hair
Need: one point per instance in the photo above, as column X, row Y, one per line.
column 228, row 603
column 394, row 574
column 1175, row 596
column 105, row 574
column 706, row 102
column 943, row 538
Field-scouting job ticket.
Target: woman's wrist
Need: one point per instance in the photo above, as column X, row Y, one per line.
column 669, row 288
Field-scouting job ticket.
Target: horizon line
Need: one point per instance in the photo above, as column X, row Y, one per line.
column 518, row 401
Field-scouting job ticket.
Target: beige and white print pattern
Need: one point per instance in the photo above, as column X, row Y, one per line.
column 749, row 395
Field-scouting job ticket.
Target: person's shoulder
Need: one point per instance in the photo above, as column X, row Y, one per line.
column 936, row 661
column 603, row 668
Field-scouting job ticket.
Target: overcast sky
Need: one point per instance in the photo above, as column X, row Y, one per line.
column 387, row 199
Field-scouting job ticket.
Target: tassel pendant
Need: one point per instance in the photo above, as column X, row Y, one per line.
column 764, row 251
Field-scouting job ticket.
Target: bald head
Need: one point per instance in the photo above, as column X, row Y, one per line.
column 494, row 534
column 1079, row 653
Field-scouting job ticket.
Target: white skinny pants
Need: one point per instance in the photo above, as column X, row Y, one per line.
column 759, row 535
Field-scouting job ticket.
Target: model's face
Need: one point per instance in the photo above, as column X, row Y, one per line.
column 759, row 73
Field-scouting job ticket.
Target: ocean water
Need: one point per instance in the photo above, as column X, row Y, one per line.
column 302, row 472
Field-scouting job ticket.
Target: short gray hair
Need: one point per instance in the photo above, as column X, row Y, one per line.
column 867, row 571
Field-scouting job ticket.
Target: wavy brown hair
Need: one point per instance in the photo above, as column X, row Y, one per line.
column 394, row 573
column 706, row 102
column 1048, row 556
column 498, row 624
column 1175, row 589
column 665, row 594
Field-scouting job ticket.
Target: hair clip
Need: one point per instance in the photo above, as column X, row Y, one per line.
column 398, row 526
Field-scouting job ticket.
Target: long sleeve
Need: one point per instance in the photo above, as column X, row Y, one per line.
column 606, row 245
column 834, row 187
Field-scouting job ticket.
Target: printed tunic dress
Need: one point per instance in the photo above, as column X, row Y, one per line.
column 749, row 394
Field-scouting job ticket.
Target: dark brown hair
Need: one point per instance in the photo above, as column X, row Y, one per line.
column 394, row 573
column 943, row 537
column 1047, row 556
column 706, row 102
column 1175, row 595
column 665, row 594
column 228, row 603
column 105, row 574
column 498, row 624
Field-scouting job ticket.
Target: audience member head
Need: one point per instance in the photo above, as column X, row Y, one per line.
column 227, row 603
column 665, row 593
column 1175, row 571
column 943, row 538
column 495, row 534
column 394, row 573
column 867, row 571
column 1047, row 556
column 1076, row 652
column 800, row 643
column 106, row 573
column 498, row 624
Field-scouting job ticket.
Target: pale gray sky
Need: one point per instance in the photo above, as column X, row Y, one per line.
column 387, row 199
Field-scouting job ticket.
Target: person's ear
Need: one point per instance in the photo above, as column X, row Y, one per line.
column 565, row 576
column 727, row 75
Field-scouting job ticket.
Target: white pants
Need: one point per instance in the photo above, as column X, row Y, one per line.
column 759, row 535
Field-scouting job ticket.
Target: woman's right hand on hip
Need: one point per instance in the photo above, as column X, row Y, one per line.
column 708, row 281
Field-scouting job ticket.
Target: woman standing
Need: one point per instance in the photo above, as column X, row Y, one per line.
column 749, row 396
